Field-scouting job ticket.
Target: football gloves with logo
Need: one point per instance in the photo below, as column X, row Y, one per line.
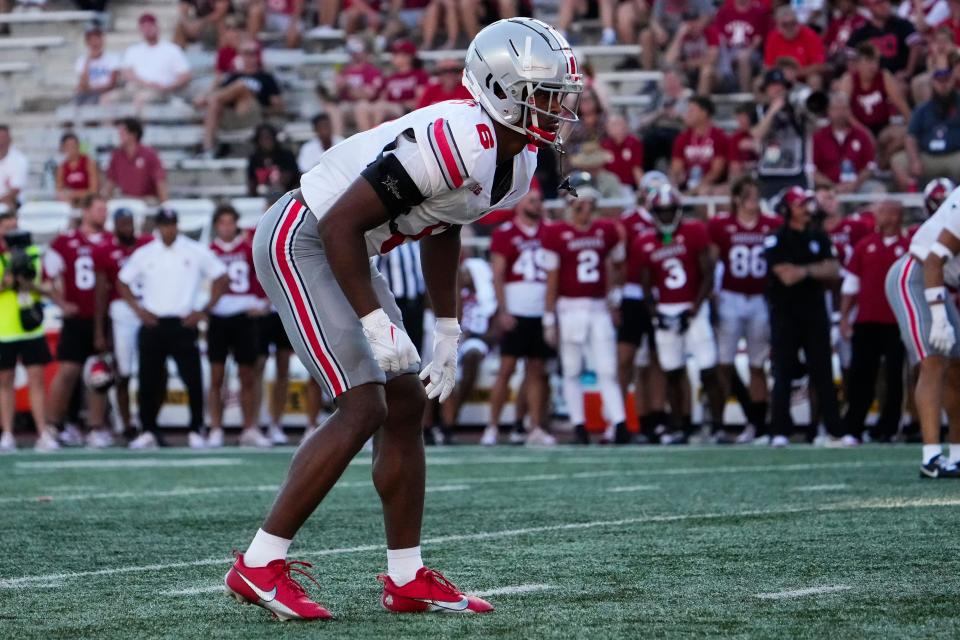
column 392, row 347
column 442, row 371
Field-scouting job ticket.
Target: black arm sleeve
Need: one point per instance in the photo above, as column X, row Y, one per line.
column 396, row 190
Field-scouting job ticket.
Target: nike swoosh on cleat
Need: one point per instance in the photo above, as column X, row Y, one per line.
column 265, row 596
column 460, row 605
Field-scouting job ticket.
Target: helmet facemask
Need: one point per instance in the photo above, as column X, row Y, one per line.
column 544, row 104
column 667, row 219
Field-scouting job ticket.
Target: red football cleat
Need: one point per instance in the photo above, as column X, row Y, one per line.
column 429, row 591
column 273, row 588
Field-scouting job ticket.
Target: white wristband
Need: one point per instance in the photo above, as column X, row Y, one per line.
column 549, row 319
column 374, row 320
column 940, row 249
column 447, row 327
column 935, row 295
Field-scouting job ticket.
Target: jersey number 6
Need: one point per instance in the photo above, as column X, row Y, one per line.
column 486, row 136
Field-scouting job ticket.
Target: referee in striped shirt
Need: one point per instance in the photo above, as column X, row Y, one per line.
column 401, row 268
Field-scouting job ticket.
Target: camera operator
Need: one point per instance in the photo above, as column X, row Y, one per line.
column 780, row 135
column 21, row 331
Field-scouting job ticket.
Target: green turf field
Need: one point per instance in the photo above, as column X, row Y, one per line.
column 599, row 543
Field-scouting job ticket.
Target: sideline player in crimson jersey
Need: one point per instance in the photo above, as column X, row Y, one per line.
column 232, row 330
column 520, row 284
column 124, row 323
column 636, row 361
column 68, row 264
column 737, row 240
column 676, row 268
column 419, row 177
column 576, row 256
column 868, row 321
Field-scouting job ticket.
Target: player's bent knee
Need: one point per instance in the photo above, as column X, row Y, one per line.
column 365, row 406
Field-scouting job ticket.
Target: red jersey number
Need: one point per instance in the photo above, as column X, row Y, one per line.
column 486, row 136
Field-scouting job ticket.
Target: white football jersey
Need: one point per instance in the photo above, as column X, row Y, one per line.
column 451, row 156
column 947, row 217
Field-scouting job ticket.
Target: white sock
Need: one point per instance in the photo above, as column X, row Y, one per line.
column 403, row 564
column 265, row 548
column 931, row 450
column 954, row 453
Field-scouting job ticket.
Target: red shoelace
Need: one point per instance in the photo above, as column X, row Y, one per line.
column 441, row 581
column 289, row 569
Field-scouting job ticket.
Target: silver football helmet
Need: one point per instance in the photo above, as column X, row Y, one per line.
column 512, row 62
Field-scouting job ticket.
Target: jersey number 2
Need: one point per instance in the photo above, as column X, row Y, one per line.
column 587, row 263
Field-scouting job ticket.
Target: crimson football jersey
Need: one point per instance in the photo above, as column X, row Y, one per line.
column 525, row 288
column 583, row 256
column 847, row 234
column 635, row 223
column 237, row 257
column 70, row 257
column 674, row 268
column 741, row 251
column 110, row 257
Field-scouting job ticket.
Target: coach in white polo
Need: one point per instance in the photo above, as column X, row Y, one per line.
column 171, row 272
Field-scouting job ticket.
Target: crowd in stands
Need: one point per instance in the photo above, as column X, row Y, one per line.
column 838, row 97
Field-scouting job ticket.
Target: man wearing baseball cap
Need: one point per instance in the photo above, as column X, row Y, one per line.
column 171, row 272
column 802, row 263
column 154, row 69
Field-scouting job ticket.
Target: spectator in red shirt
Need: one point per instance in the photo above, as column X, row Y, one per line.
column 78, row 175
column 700, row 152
column 359, row 14
column 626, row 149
column 791, row 39
column 283, row 16
column 843, row 151
column 744, row 153
column 845, row 18
column 356, row 87
column 735, row 39
column 135, row 169
column 445, row 84
column 875, row 97
column 874, row 333
column 227, row 61
column 403, row 88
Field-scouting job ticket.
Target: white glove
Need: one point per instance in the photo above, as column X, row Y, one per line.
column 942, row 335
column 442, row 371
column 391, row 346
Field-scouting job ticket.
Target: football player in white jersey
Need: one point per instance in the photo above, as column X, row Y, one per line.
column 420, row 176
column 917, row 291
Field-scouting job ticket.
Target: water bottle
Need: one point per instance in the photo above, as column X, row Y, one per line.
column 696, row 175
column 848, row 172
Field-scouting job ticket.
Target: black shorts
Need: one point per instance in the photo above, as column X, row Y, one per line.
column 76, row 340
column 635, row 323
column 237, row 335
column 273, row 333
column 526, row 340
column 30, row 352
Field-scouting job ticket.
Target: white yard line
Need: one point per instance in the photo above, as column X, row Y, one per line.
column 29, row 581
column 636, row 487
column 51, row 496
column 441, row 488
column 823, row 487
column 129, row 463
column 799, row 593
column 512, row 591
column 194, row 591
